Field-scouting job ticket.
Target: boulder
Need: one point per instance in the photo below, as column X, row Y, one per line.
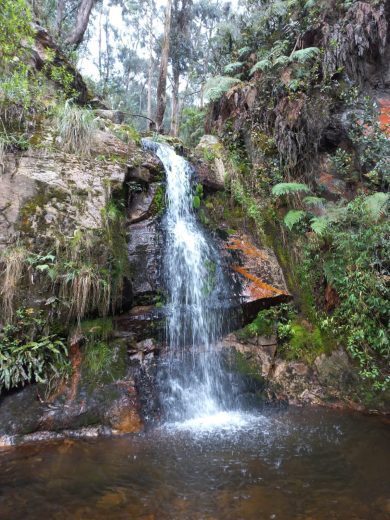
column 115, row 116
column 209, row 163
column 260, row 276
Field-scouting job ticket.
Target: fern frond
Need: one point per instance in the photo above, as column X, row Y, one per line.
column 377, row 205
column 293, row 217
column 243, row 52
column 262, row 65
column 310, row 200
column 286, row 188
column 304, row 55
column 217, row 86
column 319, row 225
column 231, row 68
column 281, row 60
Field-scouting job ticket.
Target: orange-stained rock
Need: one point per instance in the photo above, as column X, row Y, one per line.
column 259, row 273
column 127, row 421
column 384, row 114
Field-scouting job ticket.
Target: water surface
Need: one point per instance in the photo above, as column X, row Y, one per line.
column 284, row 464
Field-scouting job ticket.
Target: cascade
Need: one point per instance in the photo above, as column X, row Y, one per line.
column 192, row 380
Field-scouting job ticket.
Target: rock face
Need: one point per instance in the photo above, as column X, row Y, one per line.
column 329, row 381
column 61, row 191
column 260, row 276
column 88, row 403
column 208, row 163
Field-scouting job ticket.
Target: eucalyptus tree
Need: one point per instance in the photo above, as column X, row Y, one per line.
column 67, row 20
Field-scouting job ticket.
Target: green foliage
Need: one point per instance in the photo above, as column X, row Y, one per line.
column 127, row 133
column 311, row 200
column 27, row 354
column 319, row 225
column 15, row 28
column 261, row 65
column 304, row 341
column 355, row 263
column 76, row 127
column 304, row 55
column 233, row 68
column 198, row 196
column 293, row 217
column 287, row 188
column 377, row 205
column 217, row 86
column 159, row 202
column 98, row 357
column 192, row 125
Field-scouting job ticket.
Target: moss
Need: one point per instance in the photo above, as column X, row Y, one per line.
column 264, row 142
column 29, row 209
column 158, row 203
column 245, row 368
column 306, row 342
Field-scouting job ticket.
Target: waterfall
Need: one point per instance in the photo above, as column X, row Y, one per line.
column 193, row 382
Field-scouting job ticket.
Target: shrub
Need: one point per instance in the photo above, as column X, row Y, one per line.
column 27, row 354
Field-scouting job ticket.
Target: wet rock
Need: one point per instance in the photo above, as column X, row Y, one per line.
column 142, row 321
column 144, row 252
column 259, row 273
column 336, row 370
column 261, row 354
column 141, row 204
column 107, row 400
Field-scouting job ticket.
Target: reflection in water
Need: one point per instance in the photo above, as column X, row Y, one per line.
column 286, row 464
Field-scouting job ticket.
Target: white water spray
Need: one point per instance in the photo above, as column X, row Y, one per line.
column 193, row 382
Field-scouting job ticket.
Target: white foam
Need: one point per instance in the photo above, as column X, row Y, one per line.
column 219, row 421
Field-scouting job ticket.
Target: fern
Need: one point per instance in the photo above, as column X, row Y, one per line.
column 232, row 68
column 304, row 55
column 319, row 225
column 262, row 65
column 281, row 60
column 293, row 217
column 377, row 205
column 287, row 188
column 243, row 52
column 217, row 86
column 313, row 201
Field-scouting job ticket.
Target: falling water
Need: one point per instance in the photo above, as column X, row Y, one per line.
column 193, row 383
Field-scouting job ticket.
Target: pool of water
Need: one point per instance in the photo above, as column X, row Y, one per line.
column 283, row 464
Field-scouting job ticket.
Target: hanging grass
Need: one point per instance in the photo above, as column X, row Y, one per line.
column 76, row 127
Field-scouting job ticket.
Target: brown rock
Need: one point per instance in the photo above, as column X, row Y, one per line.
column 260, row 276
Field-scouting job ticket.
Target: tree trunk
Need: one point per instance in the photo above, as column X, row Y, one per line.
column 82, row 19
column 60, row 16
column 150, row 71
column 175, row 104
column 162, row 80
